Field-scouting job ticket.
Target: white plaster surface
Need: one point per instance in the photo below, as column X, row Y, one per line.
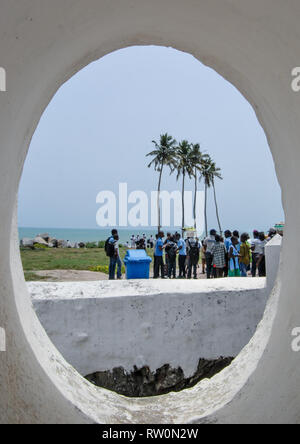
column 100, row 326
column 272, row 253
column 255, row 45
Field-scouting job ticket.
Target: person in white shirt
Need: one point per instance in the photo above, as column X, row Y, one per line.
column 255, row 243
column 261, row 262
column 151, row 241
column 133, row 241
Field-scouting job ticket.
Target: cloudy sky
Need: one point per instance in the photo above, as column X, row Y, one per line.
column 99, row 126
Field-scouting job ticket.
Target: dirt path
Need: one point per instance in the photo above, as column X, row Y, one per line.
column 70, row 275
column 78, row 276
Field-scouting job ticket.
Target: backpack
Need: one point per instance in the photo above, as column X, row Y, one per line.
column 172, row 250
column 109, row 248
column 194, row 250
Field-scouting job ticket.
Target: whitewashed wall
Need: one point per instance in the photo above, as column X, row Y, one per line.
column 149, row 322
column 272, row 252
column 254, row 45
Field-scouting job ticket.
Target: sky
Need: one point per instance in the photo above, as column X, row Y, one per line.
column 99, row 126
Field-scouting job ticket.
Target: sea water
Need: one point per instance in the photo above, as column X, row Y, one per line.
column 99, row 234
column 88, row 235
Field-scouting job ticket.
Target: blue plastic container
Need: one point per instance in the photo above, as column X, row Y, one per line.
column 137, row 264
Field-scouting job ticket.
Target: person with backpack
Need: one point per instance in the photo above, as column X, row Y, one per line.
column 208, row 244
column 112, row 251
column 171, row 252
column 194, row 255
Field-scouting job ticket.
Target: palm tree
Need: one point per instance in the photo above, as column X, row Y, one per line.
column 163, row 155
column 184, row 167
column 207, row 184
column 209, row 173
column 198, row 159
column 216, row 174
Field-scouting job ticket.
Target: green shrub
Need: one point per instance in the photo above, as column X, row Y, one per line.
column 91, row 245
column 103, row 269
column 101, row 244
column 100, row 269
column 40, row 246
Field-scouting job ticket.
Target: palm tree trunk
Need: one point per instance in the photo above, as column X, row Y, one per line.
column 195, row 201
column 158, row 198
column 217, row 211
column 205, row 210
column 183, row 222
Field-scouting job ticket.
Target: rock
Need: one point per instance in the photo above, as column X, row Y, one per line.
column 141, row 382
column 40, row 240
column 45, row 236
column 53, row 242
column 62, row 243
column 26, row 242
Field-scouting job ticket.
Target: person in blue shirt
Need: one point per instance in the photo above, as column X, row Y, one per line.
column 227, row 244
column 181, row 245
column 166, row 242
column 158, row 256
column 237, row 235
column 234, row 266
column 227, row 241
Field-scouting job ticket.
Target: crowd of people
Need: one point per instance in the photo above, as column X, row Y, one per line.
column 233, row 255
column 141, row 242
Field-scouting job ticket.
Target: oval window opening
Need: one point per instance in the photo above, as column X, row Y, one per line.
column 143, row 122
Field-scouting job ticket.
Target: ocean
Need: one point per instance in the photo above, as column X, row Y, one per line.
column 97, row 234
column 88, row 235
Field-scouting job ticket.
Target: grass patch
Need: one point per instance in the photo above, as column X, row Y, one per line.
column 68, row 259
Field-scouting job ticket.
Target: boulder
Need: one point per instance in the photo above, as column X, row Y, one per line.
column 40, row 240
column 26, row 242
column 45, row 236
column 62, row 243
column 53, row 243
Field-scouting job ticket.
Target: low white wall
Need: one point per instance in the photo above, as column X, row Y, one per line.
column 149, row 322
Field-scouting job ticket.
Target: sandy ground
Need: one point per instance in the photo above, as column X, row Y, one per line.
column 78, row 276
column 71, row 276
